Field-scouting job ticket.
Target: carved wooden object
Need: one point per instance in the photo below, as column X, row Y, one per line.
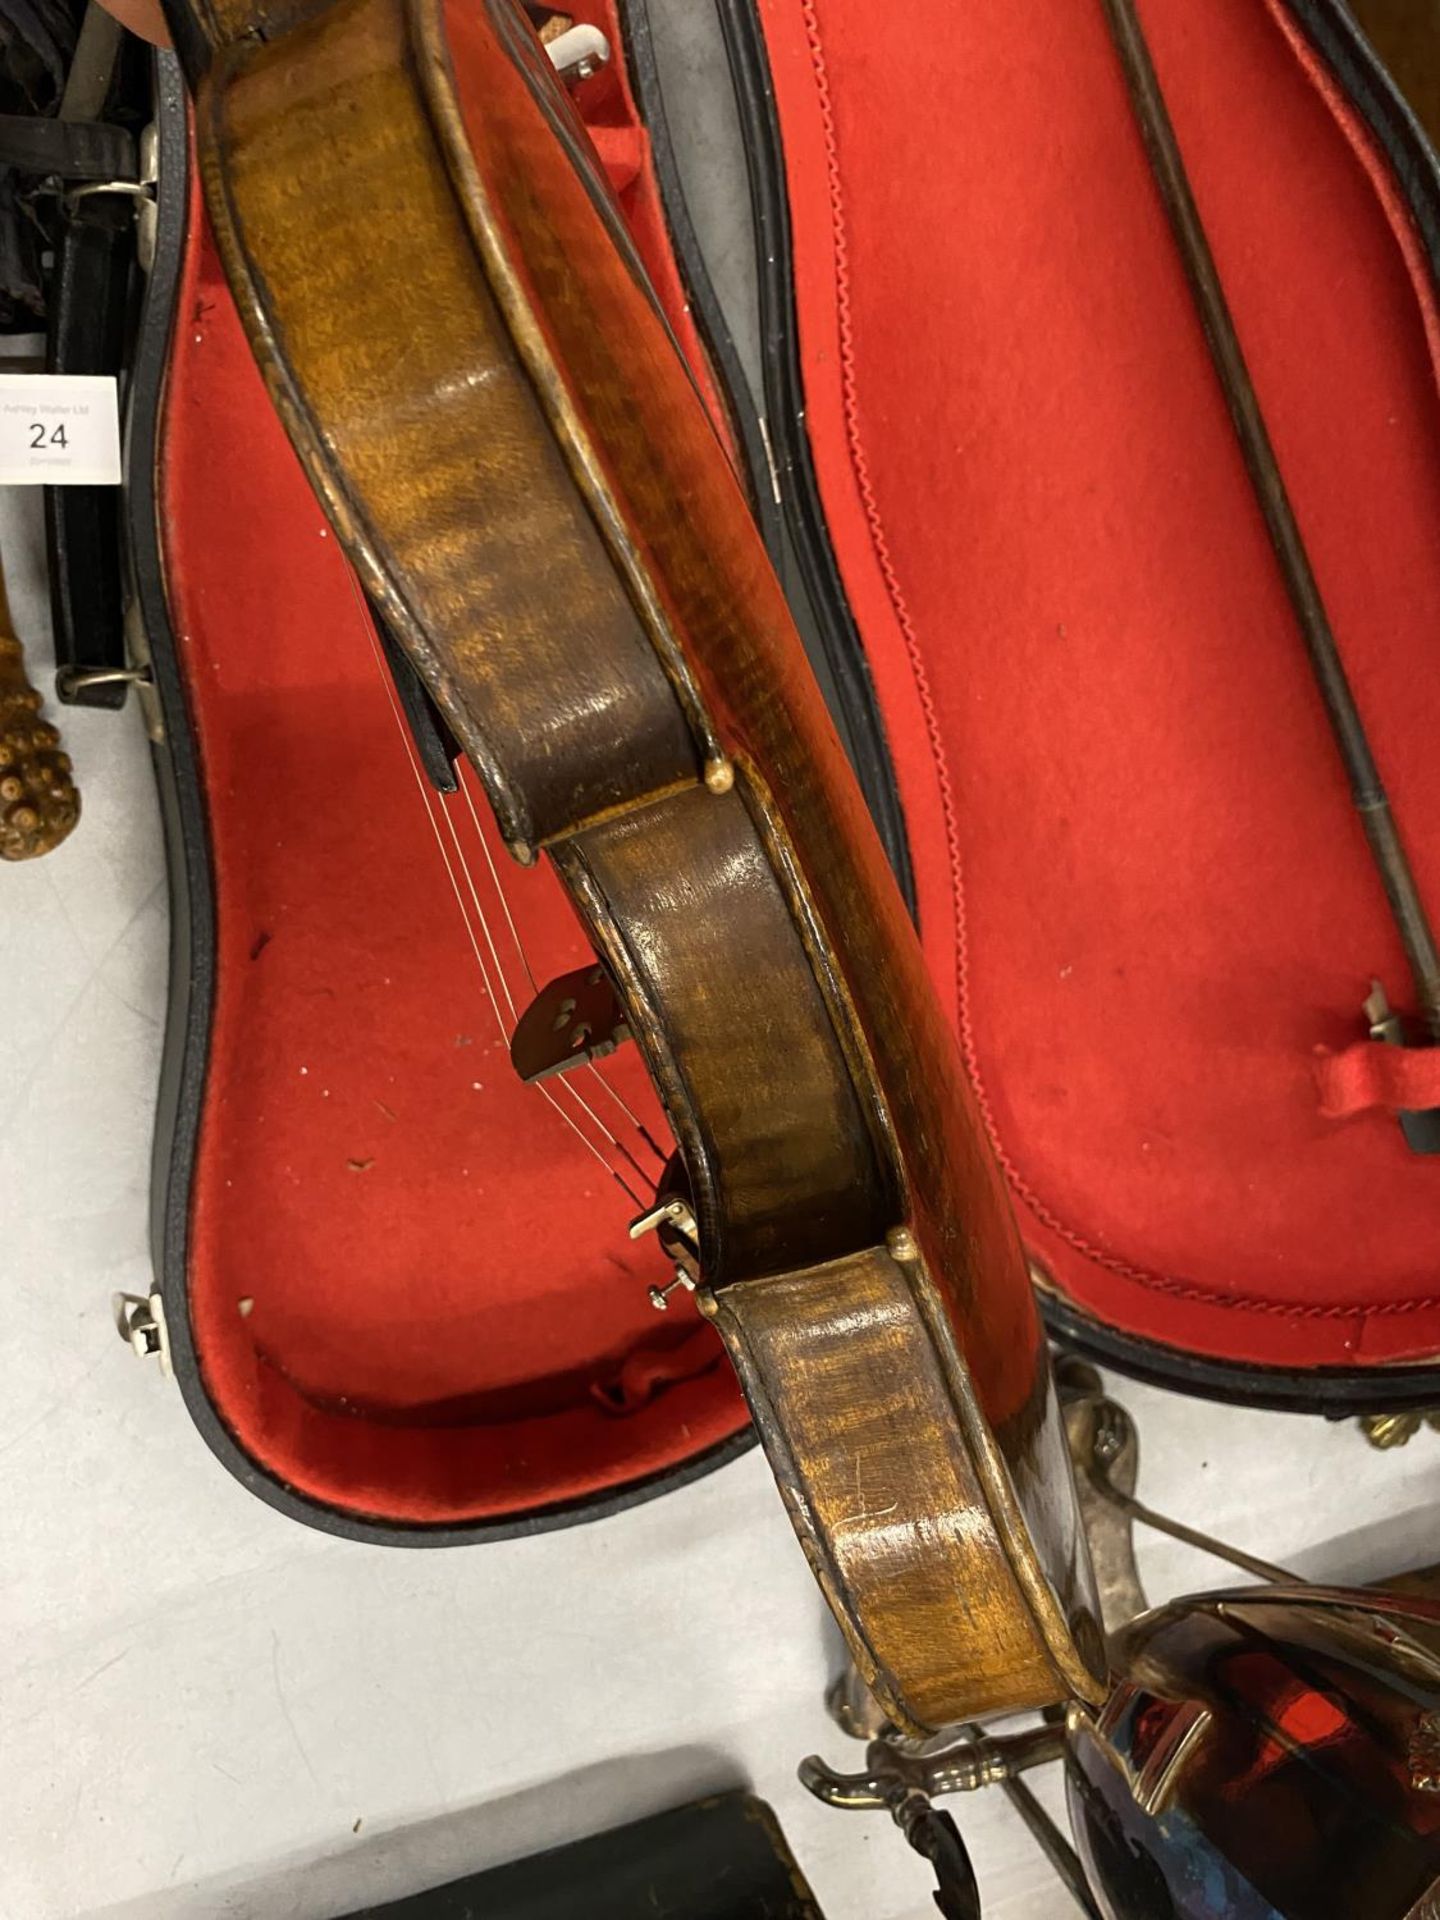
column 38, row 801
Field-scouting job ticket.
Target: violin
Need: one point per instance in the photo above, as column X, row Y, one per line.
column 491, row 408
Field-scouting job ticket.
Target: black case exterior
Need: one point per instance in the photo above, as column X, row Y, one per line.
column 720, row 1859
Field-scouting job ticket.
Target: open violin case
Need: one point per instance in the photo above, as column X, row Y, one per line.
column 397, row 1287
column 957, row 364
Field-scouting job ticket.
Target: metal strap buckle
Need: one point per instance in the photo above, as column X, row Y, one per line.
column 141, row 191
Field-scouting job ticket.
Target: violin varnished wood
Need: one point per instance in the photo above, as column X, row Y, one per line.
column 439, row 469
column 778, row 1148
column 872, row 1447
column 491, row 406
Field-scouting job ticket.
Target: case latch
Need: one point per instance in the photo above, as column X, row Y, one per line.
column 140, row 1322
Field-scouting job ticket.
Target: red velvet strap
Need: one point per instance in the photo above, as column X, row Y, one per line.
column 620, row 153
column 1372, row 1074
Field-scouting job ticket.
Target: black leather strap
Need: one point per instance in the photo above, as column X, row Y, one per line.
column 89, row 307
column 89, row 314
column 66, row 149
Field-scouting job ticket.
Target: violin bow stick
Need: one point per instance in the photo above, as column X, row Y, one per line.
column 1367, row 790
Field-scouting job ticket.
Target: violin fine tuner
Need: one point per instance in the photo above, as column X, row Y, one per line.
column 660, row 1296
column 674, row 1221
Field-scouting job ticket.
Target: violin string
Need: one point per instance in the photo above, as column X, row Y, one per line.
column 629, row 1113
column 483, row 918
column 579, row 1132
column 498, row 886
column 500, row 976
column 423, row 786
column 495, row 878
column 480, row 915
column 635, row 1121
column 585, row 1107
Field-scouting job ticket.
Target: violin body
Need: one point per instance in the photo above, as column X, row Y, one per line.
column 495, row 417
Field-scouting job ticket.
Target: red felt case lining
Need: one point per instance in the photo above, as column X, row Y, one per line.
column 410, row 1288
column 1142, row 890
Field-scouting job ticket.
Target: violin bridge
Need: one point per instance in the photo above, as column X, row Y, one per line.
column 577, row 1018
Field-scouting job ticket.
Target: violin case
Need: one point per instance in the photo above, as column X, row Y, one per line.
column 396, row 1285
column 1019, row 520
column 724, row 1858
column 963, row 379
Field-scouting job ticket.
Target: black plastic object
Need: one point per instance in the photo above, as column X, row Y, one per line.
column 720, row 1859
column 435, row 745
